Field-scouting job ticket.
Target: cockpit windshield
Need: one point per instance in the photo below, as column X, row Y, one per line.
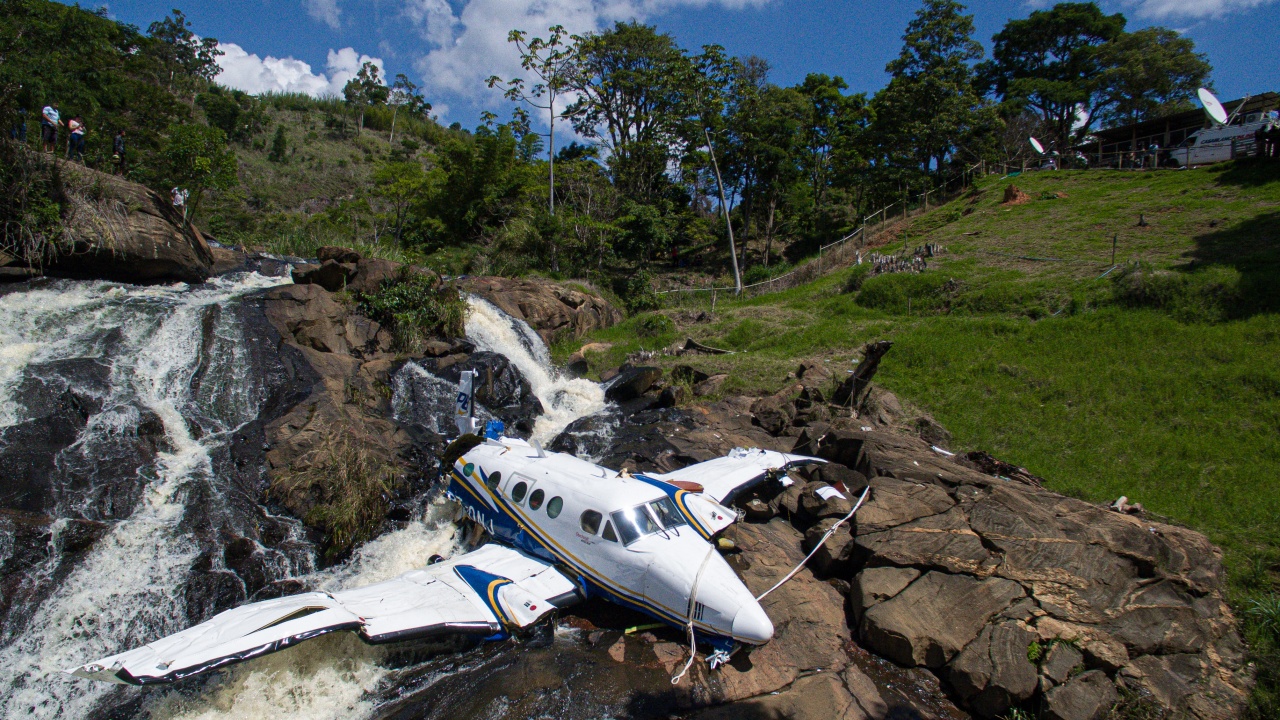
column 647, row 519
column 666, row 512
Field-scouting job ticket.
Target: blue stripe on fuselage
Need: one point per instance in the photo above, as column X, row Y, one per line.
column 677, row 496
column 508, row 527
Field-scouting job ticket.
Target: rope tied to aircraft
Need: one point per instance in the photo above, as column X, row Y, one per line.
column 819, row 544
column 693, row 596
column 693, row 603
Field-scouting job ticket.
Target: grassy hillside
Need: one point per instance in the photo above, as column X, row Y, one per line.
column 1159, row 381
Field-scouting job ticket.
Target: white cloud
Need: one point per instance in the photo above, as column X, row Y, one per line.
column 471, row 44
column 246, row 71
column 1193, row 8
column 326, row 11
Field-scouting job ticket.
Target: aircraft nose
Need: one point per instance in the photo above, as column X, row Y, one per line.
column 752, row 625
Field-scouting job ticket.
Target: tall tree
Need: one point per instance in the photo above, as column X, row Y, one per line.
column 1150, row 73
column 931, row 100
column 405, row 94
column 1051, row 62
column 552, row 61
column 630, row 98
column 366, row 89
column 196, row 159
column 184, row 55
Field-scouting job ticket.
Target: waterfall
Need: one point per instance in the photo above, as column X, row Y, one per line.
column 329, row 678
column 128, row 588
column 175, row 354
column 563, row 399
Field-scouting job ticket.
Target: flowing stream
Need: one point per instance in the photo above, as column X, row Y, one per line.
column 563, row 399
column 177, row 357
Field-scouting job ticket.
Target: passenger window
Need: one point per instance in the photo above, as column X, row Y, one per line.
column 554, row 505
column 590, row 522
column 535, row 500
column 494, row 478
column 608, row 533
column 517, row 492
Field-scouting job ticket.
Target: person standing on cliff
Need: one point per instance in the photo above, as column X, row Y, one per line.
column 50, row 119
column 117, row 150
column 75, row 142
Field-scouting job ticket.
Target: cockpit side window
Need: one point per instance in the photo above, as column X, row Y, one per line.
column 608, row 533
column 634, row 524
column 590, row 522
column 666, row 512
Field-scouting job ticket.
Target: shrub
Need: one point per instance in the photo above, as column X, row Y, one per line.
column 906, row 292
column 348, row 486
column 33, row 196
column 654, row 325
column 416, row 307
column 1210, row 294
column 858, row 275
column 637, row 292
column 760, row 273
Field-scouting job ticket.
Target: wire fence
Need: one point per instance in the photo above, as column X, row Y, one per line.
column 838, row 254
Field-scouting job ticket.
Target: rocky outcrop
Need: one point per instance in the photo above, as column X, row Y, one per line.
column 119, row 230
column 1011, row 595
column 347, row 413
column 1005, row 565
column 554, row 310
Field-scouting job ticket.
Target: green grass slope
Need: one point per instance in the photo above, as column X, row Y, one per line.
column 1159, row 381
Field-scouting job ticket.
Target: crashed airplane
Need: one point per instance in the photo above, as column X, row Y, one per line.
column 564, row 529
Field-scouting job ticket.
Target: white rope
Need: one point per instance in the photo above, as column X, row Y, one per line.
column 815, row 547
column 693, row 602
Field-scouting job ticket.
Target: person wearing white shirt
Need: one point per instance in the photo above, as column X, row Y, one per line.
column 50, row 119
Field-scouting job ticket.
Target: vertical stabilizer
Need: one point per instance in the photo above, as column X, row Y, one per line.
column 464, row 413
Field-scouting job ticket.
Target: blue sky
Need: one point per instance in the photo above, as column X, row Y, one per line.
column 449, row 46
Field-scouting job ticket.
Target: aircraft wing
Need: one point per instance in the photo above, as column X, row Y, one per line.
column 724, row 477
column 485, row 591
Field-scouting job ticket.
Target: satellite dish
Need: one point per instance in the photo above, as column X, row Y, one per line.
column 1036, row 144
column 1212, row 107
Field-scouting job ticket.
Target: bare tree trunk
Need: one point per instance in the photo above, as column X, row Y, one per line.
column 395, row 111
column 768, row 233
column 551, row 159
column 724, row 207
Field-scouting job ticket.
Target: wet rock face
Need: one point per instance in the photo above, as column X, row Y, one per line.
column 499, row 388
column 552, row 309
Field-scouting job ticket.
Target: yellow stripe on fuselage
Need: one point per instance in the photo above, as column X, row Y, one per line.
column 571, row 559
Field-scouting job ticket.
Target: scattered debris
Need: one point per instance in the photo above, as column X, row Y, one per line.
column 999, row 468
column 693, row 346
column 1122, row 505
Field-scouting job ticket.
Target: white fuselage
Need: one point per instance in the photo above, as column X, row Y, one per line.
column 636, row 541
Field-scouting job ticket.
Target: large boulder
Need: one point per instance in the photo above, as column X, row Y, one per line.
column 552, row 309
column 993, row 673
column 935, row 617
column 774, row 413
column 631, row 382
column 330, row 275
column 119, row 230
column 1089, row 696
